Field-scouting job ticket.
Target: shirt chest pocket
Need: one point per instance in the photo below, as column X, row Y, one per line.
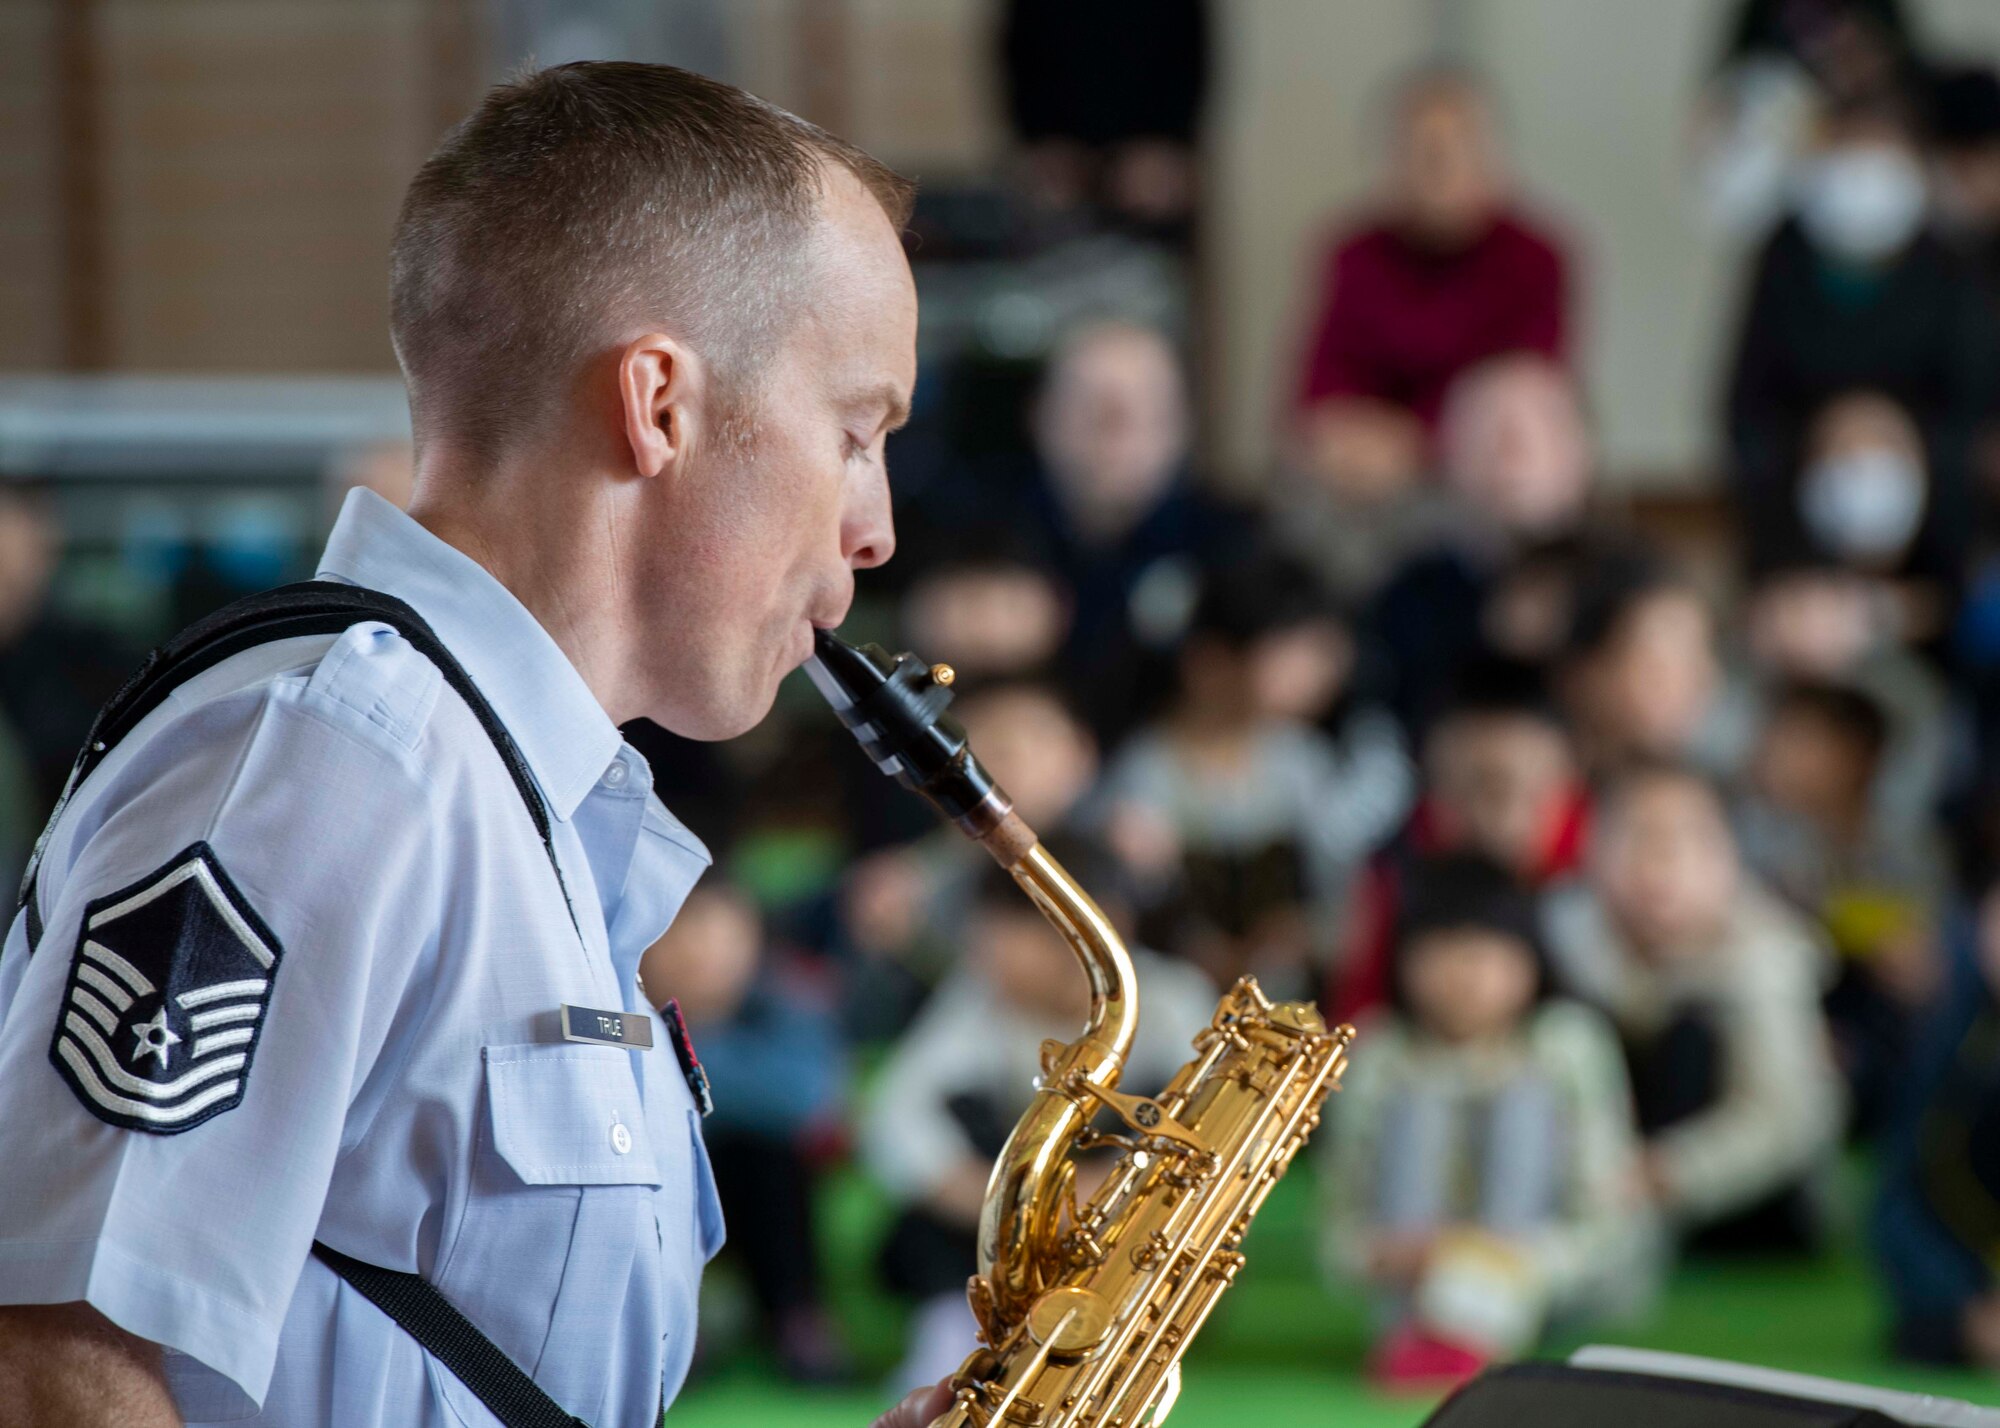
column 557, row 1257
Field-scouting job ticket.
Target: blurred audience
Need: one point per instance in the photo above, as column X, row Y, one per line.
column 1859, row 314
column 1640, row 677
column 1480, row 1167
column 1818, row 830
column 1500, row 782
column 1243, row 824
column 903, row 907
column 1517, row 461
column 1108, row 506
column 1446, row 273
column 770, row 1041
column 1714, row 985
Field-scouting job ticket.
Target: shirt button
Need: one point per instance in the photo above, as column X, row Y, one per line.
column 621, row 1139
column 615, row 776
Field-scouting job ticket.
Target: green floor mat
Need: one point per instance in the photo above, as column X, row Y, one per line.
column 1281, row 1349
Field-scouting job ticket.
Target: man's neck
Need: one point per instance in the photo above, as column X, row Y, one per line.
column 556, row 556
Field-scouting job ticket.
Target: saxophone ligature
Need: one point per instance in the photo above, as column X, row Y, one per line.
column 1085, row 1307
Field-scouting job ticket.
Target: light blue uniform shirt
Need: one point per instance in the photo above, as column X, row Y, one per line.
column 410, row 1100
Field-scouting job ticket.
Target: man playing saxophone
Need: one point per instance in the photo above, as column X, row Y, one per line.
column 327, row 1094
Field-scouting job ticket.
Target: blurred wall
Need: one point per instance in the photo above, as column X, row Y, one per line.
column 208, row 185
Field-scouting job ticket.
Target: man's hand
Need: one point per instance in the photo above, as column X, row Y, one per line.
column 918, row 1408
column 67, row 1366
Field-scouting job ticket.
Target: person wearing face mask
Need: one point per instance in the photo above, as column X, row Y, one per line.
column 1855, row 293
column 1863, row 498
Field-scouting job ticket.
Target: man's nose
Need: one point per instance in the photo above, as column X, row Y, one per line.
column 868, row 536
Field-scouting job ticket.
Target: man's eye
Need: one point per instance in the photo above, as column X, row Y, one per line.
column 856, row 449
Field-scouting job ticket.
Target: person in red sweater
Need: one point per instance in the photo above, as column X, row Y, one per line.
column 1445, row 274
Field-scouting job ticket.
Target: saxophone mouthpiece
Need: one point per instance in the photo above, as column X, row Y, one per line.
column 895, row 706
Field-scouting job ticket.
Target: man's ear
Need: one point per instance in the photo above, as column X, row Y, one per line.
column 659, row 381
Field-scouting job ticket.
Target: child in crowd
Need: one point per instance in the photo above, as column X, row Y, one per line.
column 1640, row 678
column 769, row 1037
column 1500, row 781
column 1815, row 829
column 1244, row 826
column 1714, row 985
column 901, row 908
column 1814, row 620
column 959, row 1079
column 1480, row 1160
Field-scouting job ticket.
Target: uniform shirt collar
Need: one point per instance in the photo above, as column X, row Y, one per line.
column 564, row 733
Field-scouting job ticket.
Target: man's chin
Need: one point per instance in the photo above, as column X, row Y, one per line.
column 716, row 720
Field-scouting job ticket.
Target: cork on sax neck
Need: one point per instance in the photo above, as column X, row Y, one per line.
column 1009, row 840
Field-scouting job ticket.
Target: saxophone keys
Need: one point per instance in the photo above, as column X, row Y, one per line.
column 1070, row 1321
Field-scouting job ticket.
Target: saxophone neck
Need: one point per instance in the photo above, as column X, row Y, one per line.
column 1114, row 995
column 895, row 706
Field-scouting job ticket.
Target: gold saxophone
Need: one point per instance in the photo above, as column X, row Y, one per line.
column 1085, row 1309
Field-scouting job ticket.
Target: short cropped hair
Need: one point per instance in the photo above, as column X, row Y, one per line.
column 593, row 194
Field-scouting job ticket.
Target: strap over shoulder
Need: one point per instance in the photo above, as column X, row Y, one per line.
column 314, row 607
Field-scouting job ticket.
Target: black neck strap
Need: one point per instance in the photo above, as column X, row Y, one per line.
column 316, row 607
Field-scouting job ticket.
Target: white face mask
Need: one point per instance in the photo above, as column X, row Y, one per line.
column 1862, row 203
column 1863, row 505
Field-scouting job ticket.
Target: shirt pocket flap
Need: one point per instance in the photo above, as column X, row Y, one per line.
column 569, row 1115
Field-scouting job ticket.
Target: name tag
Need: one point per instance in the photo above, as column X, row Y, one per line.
column 607, row 1028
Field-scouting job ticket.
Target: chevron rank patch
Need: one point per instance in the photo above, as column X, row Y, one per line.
column 166, row 998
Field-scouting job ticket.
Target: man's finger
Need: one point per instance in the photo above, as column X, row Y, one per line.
column 918, row 1408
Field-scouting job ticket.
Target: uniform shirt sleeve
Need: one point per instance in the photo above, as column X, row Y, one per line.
column 309, row 793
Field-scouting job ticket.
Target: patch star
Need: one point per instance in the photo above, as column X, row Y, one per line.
column 155, row 1037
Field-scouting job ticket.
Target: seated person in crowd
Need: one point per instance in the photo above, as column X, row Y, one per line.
column 1815, row 830
column 770, row 1041
column 1640, row 678
column 960, row 1077
column 902, row 907
column 1862, row 497
column 1815, row 620
column 1517, row 460
column 1447, row 274
column 1938, row 1214
column 1855, row 293
column 1500, row 781
column 1243, row 827
column 1714, row 985
column 1110, row 508
column 1480, row 1160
